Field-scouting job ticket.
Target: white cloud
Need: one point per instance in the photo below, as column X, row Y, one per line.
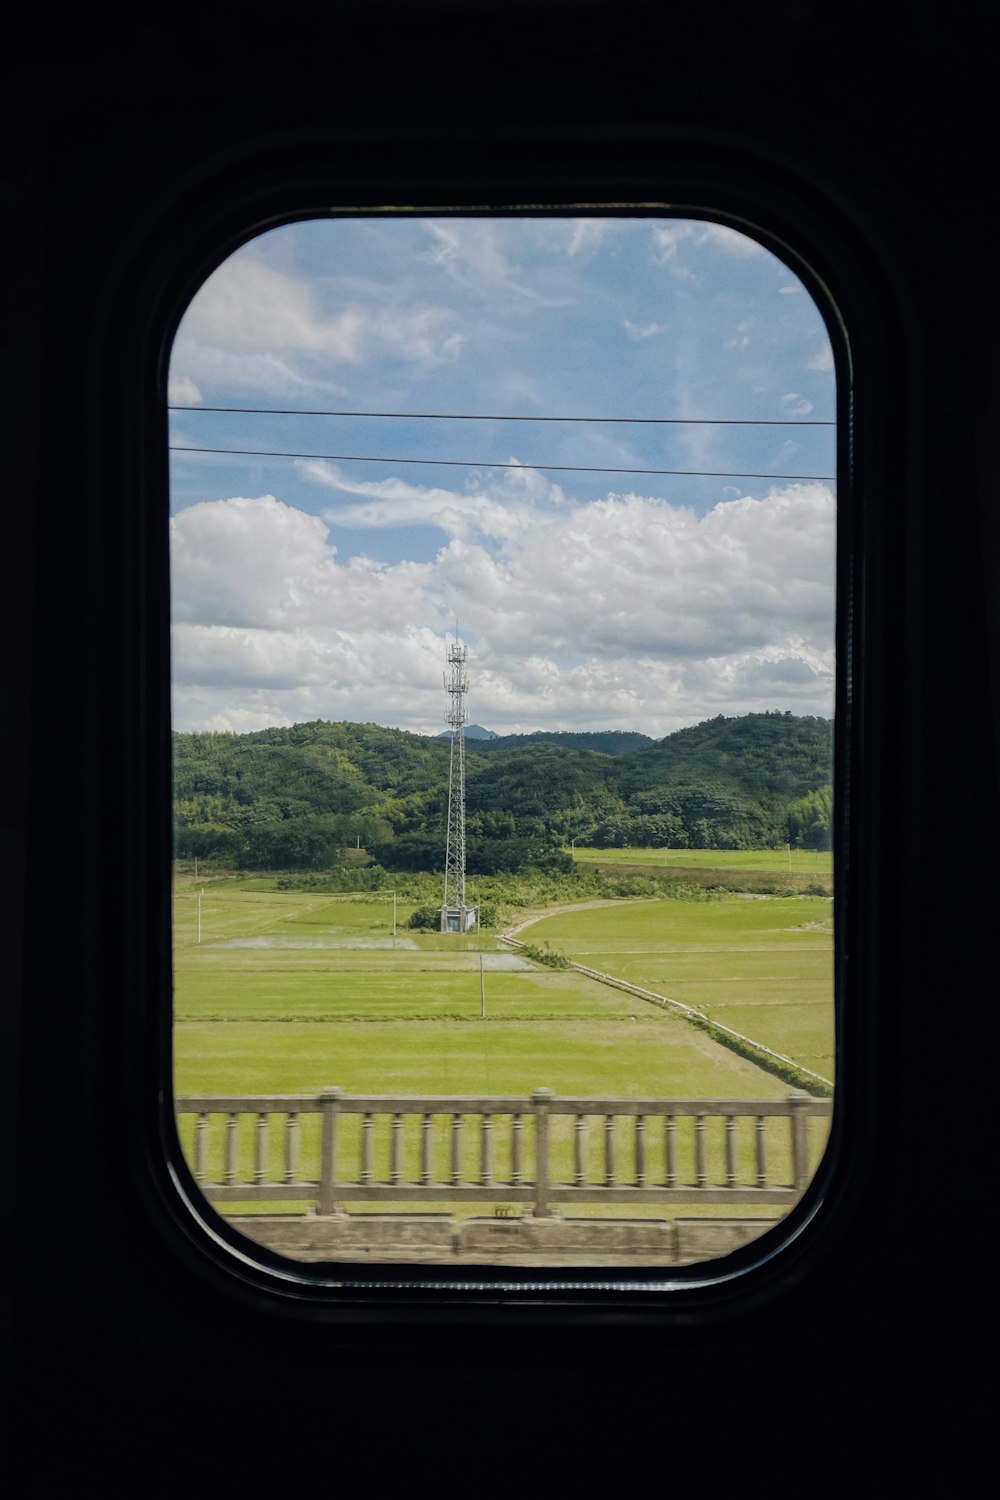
column 666, row 244
column 497, row 507
column 247, row 369
column 256, row 711
column 822, row 360
column 668, row 239
column 252, row 327
column 419, row 336
column 246, row 561
column 261, row 564
column 629, row 574
column 181, row 391
column 629, row 612
column 724, row 238
column 226, row 654
column 248, row 304
column 642, row 331
column 243, row 679
column 462, row 245
column 469, row 252
column 586, row 235
column 794, row 405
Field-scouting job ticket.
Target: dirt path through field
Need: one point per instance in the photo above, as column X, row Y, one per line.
column 554, row 911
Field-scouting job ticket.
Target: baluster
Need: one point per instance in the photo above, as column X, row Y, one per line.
column 579, row 1149
column 426, row 1126
column 699, row 1150
column 516, row 1131
column 640, row 1151
column 669, row 1151
column 396, row 1150
column 730, row 1151
column 260, row 1149
column 367, row 1133
column 760, row 1143
column 609, row 1150
column 456, row 1150
column 486, row 1151
column 291, row 1147
column 799, row 1121
column 232, row 1126
column 541, row 1100
column 200, row 1148
column 330, row 1104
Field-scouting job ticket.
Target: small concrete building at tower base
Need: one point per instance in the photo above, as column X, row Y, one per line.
column 458, row 918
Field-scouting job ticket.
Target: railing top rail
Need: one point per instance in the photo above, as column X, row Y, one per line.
column 276, row 1104
column 490, row 1104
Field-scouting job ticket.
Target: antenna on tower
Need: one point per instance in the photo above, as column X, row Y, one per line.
column 456, row 916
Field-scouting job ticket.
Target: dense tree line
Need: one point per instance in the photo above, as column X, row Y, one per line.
column 604, row 741
column 299, row 797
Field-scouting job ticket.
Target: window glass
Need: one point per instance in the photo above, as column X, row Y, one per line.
column 502, row 575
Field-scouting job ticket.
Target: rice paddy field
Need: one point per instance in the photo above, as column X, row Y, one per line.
column 292, row 992
column 795, row 861
column 760, row 965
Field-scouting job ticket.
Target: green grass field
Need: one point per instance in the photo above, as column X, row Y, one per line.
column 761, row 965
column 795, row 861
column 293, row 992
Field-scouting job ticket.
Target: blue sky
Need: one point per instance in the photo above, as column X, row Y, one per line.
column 322, row 587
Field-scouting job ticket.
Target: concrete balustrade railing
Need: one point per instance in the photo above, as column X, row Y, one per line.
column 537, row 1150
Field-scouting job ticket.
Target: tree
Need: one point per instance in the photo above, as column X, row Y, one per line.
column 810, row 820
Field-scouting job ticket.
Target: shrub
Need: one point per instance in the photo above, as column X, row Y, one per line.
column 545, row 955
column 426, row 917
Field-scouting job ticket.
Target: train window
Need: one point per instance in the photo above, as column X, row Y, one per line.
column 502, row 559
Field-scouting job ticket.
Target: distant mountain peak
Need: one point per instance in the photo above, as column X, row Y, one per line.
column 472, row 732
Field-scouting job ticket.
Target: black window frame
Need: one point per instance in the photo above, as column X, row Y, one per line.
column 184, row 240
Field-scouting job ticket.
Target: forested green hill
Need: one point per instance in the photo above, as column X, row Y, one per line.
column 298, row 797
column 606, row 741
column 729, row 783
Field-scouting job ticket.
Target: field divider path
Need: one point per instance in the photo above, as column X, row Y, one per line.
column 775, row 1062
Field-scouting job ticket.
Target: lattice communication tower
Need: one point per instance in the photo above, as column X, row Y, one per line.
column 455, row 915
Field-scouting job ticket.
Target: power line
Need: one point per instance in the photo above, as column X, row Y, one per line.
column 453, row 416
column 468, row 463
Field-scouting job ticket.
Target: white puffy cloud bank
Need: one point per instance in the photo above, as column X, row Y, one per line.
column 629, row 612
